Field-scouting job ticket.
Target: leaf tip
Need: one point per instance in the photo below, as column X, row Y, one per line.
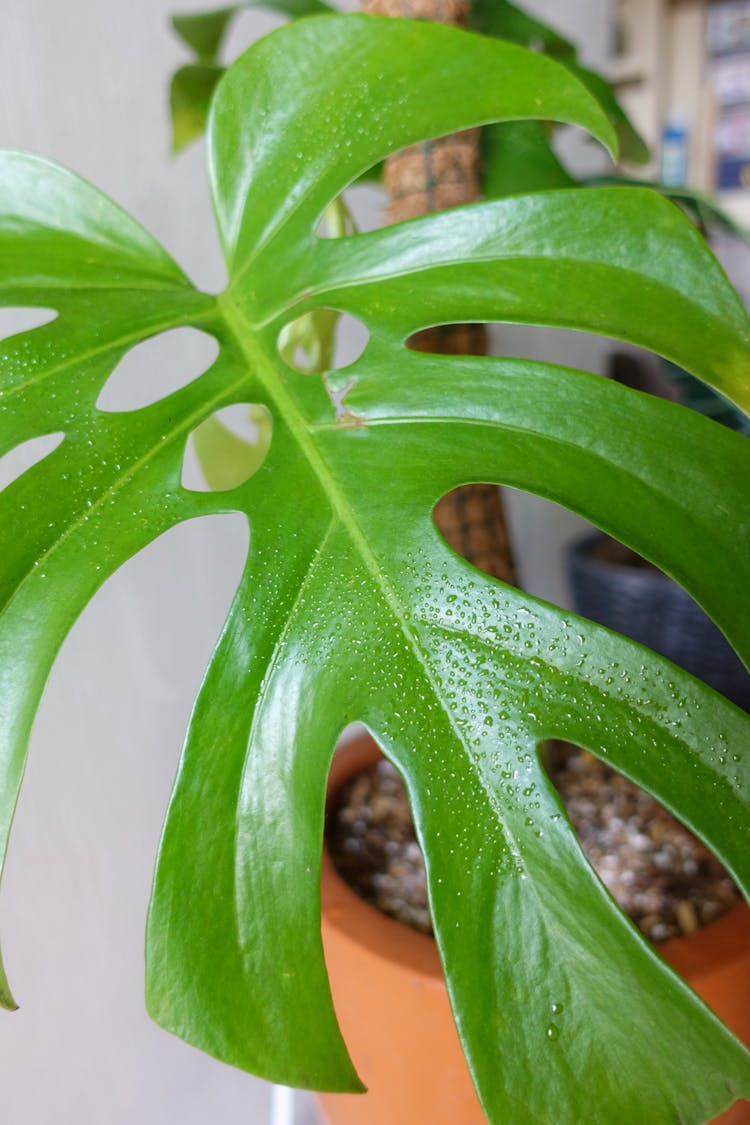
column 6, row 996
column 607, row 134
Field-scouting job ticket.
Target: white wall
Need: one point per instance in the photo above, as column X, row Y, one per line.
column 83, row 82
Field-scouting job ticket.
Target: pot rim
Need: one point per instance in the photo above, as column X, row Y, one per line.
column 345, row 910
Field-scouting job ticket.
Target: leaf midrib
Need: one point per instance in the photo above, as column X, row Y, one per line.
column 263, row 366
column 258, row 360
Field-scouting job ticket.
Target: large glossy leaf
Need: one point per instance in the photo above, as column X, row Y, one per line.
column 352, row 606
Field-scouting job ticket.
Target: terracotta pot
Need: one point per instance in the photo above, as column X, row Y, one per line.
column 392, row 1005
column 716, row 963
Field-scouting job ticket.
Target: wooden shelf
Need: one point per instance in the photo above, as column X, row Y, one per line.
column 737, row 206
column 623, row 71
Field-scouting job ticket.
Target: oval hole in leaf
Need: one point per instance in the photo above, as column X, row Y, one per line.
column 24, row 456
column 582, row 350
column 470, row 520
column 227, row 448
column 157, row 367
column 16, row 320
column 371, row 800
column 450, row 339
column 352, row 338
column 322, row 340
column 367, row 203
column 659, row 874
column 562, row 346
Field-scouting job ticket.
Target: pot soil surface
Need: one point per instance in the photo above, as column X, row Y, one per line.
column 657, row 871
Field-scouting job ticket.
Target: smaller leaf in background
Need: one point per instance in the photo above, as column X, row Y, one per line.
column 505, row 21
column 205, row 32
column 517, row 157
column 307, row 344
column 633, row 148
column 190, row 93
column 502, row 177
column 192, row 86
column 227, row 458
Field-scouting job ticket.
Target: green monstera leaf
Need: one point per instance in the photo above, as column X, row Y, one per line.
column 352, row 607
column 516, row 156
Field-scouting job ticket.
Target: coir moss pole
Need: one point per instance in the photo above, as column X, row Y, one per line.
column 430, row 177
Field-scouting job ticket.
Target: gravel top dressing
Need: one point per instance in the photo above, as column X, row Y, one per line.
column 657, row 871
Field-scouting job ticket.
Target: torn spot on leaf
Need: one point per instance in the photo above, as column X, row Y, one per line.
column 344, row 416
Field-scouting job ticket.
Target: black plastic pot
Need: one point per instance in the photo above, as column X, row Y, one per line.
column 642, row 603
